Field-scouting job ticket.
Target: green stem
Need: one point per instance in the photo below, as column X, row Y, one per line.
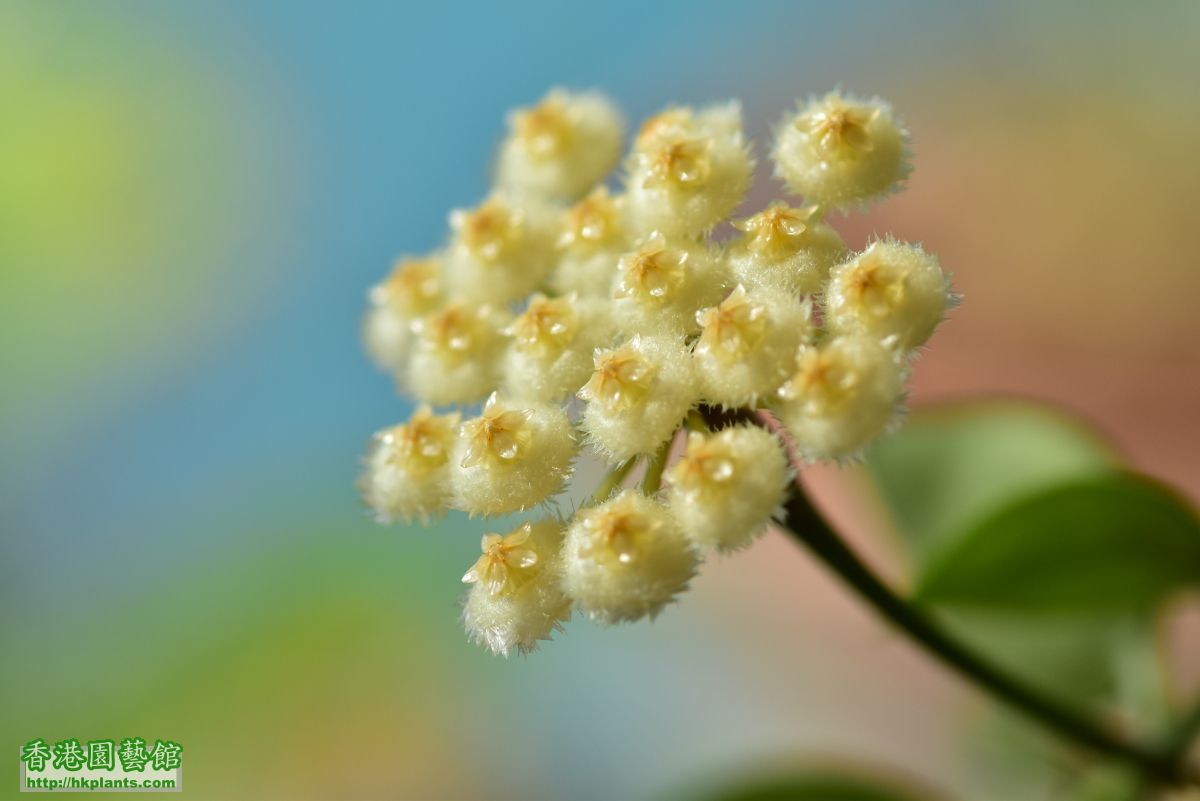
column 654, row 468
column 613, row 480
column 807, row 526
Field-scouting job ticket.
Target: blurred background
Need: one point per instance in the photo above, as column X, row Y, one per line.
column 194, row 199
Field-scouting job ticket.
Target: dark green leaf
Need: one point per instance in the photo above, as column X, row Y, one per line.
column 820, row 786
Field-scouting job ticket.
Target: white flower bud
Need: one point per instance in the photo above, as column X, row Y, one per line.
column 561, row 147
column 688, row 170
column 501, row 250
column 550, row 356
column 840, row 151
column 747, row 345
column 407, row 474
column 661, row 285
column 845, row 392
column 458, row 354
column 726, row 486
column 785, row 248
column 892, row 291
column 592, row 238
column 625, row 559
column 637, row 396
column 412, row 289
column 516, row 596
column 511, row 457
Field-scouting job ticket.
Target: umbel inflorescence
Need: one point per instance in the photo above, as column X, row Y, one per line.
column 621, row 321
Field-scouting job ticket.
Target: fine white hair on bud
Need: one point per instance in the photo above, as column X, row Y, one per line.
column 625, row 559
column 559, row 148
column 845, row 392
column 413, row 288
column 637, row 396
column 553, row 340
column 458, row 354
column 511, row 457
column 592, row 237
column 726, row 486
column 406, row 475
column 689, row 170
column 786, row 248
column 660, row 286
column 516, row 597
column 501, row 250
column 840, row 151
column 747, row 344
column 892, row 291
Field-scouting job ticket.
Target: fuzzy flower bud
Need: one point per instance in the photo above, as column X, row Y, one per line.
column 412, row 289
column 689, row 170
column 457, row 355
column 747, row 344
column 553, row 340
column 501, row 250
column 561, row 147
column 516, row 598
column 511, row 457
column 845, row 392
column 840, row 151
column 407, row 474
column 625, row 559
column 785, row 248
column 726, row 486
column 892, row 291
column 660, row 286
column 637, row 396
column 593, row 236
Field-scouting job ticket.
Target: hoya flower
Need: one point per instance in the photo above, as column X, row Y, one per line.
column 516, row 598
column 689, row 170
column 407, row 474
column 659, row 286
column 747, row 344
column 412, row 289
column 726, row 486
column 626, row 559
column 511, row 458
column 501, row 250
column 593, row 236
column 637, row 396
column 785, row 248
column 840, row 151
column 893, row 291
column 845, row 392
column 550, row 356
column 561, row 147
column 458, row 354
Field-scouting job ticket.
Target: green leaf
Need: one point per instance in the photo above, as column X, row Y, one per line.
column 952, row 465
column 1115, row 543
column 821, row 786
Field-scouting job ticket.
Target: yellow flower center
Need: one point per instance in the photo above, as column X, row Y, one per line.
column 669, row 121
column 546, row 327
column 452, row 332
column 615, row 531
column 875, row 285
column 500, row 434
column 591, row 221
column 679, row 163
column 621, row 379
column 777, row 230
column 653, row 273
column 505, row 563
column 840, row 129
column 822, row 381
column 732, row 329
column 488, row 231
column 413, row 288
column 545, row 129
column 707, row 465
column 423, row 443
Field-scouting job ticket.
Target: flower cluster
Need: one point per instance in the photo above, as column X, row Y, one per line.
column 624, row 319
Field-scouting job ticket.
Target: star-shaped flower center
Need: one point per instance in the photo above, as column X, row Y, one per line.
column 423, row 443
column 413, row 288
column 822, row 381
column 499, row 433
column 654, row 272
column 621, row 378
column 452, row 332
column 547, row 325
column 488, row 231
column 505, row 563
column 778, row 230
column 732, row 329
column 876, row 285
column 839, row 128
column 590, row 222
column 707, row 464
column 615, row 531
column 679, row 163
column 545, row 129
column 673, row 120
